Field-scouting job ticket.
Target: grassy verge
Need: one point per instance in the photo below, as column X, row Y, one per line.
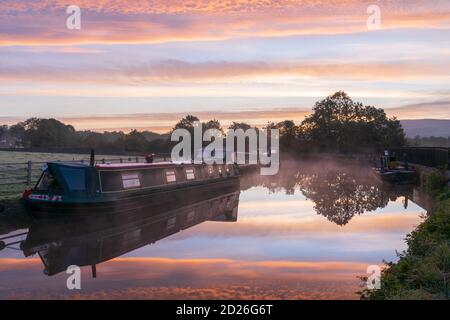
column 423, row 270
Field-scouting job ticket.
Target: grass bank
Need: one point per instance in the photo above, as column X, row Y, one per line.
column 423, row 270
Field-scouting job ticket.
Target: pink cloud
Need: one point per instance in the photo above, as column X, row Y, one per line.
column 43, row 22
column 165, row 278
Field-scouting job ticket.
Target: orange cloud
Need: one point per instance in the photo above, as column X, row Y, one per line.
column 163, row 122
column 438, row 110
column 366, row 224
column 43, row 22
column 164, row 278
column 183, row 72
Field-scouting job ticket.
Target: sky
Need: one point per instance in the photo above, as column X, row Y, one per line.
column 145, row 64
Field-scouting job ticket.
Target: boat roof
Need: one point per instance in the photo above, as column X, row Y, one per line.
column 128, row 165
column 69, row 164
column 138, row 165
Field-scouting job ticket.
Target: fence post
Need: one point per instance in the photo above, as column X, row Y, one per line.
column 137, row 159
column 28, row 173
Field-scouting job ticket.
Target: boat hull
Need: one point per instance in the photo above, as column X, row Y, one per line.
column 156, row 201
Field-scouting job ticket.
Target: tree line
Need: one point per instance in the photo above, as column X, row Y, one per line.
column 435, row 142
column 337, row 124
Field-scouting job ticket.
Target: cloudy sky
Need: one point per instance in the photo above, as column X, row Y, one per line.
column 143, row 64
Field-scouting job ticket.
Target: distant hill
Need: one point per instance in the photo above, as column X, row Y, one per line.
column 426, row 128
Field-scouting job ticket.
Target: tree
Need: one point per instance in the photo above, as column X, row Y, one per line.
column 5, row 136
column 243, row 126
column 239, row 125
column 92, row 140
column 135, row 142
column 158, row 146
column 186, row 123
column 212, row 124
column 3, row 130
column 288, row 135
column 338, row 124
column 35, row 132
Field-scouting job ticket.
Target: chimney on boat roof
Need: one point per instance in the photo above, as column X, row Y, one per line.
column 92, row 160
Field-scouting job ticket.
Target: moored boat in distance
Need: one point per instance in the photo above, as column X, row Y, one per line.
column 74, row 188
column 396, row 176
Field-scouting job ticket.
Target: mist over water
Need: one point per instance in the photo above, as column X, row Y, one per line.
column 307, row 232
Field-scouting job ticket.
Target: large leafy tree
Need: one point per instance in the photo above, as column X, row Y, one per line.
column 36, row 132
column 289, row 133
column 135, row 142
column 239, row 125
column 186, row 123
column 3, row 130
column 338, row 124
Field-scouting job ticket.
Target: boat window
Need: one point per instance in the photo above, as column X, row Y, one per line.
column 74, row 177
column 46, row 181
column 190, row 175
column 131, row 181
column 170, row 176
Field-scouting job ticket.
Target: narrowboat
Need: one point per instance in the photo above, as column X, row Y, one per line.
column 74, row 188
column 90, row 240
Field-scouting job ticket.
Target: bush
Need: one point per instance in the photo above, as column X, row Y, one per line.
column 436, row 182
column 422, row 272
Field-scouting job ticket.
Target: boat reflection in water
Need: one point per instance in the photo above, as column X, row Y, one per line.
column 87, row 241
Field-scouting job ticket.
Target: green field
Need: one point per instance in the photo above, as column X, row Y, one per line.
column 14, row 168
column 8, row 157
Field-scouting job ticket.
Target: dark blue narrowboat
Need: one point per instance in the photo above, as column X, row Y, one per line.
column 75, row 188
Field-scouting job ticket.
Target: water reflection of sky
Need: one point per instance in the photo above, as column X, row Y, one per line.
column 280, row 227
column 279, row 248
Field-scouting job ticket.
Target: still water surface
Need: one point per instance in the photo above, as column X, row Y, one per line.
column 307, row 233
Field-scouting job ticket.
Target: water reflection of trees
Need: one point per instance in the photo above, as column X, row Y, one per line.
column 338, row 192
column 339, row 196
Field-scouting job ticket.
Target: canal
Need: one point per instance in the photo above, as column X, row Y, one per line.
column 309, row 232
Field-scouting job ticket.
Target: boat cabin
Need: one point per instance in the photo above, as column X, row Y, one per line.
column 80, row 183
